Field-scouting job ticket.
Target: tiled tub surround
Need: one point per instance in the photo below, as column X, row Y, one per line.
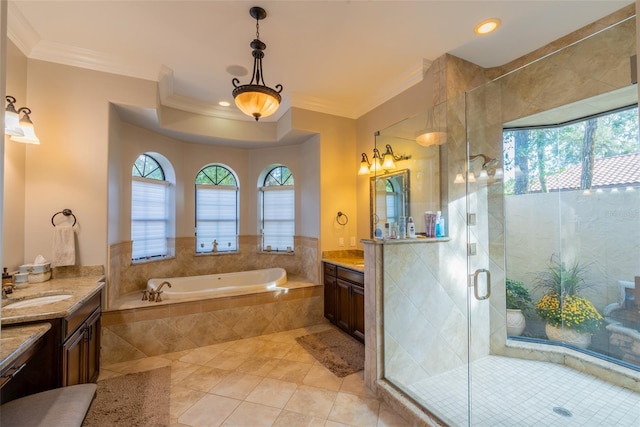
column 134, row 329
column 126, row 277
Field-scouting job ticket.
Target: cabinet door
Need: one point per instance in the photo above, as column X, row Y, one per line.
column 330, row 291
column 357, row 312
column 93, row 347
column 73, row 356
column 343, row 306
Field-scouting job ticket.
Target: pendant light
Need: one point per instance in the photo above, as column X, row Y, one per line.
column 256, row 99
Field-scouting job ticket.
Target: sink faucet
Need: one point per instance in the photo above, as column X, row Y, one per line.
column 7, row 289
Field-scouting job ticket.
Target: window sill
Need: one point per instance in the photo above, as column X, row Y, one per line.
column 151, row 260
column 217, row 253
column 275, row 253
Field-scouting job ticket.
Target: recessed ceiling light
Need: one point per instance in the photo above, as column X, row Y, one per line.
column 224, row 103
column 487, row 26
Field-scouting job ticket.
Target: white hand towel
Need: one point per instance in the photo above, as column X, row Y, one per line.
column 64, row 245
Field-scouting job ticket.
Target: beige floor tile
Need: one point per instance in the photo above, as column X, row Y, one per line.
column 294, row 419
column 176, row 355
column 355, row 410
column 247, row 346
column 211, row 410
column 274, row 350
column 288, row 370
column 139, row 365
column 312, row 401
column 299, row 354
column 181, row 370
column 354, row 384
column 228, row 360
column 272, row 392
column 253, row 415
column 321, row 377
column 105, row 373
column 387, row 417
column 182, row 399
column 330, row 423
column 204, row 378
column 202, row 355
column 257, row 366
column 236, row 385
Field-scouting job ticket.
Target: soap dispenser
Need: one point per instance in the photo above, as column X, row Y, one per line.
column 411, row 228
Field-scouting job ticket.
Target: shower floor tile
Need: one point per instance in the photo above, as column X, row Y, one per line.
column 508, row 391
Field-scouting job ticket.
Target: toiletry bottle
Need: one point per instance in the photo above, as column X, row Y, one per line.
column 411, row 228
column 6, row 277
column 387, row 231
column 439, row 224
column 402, row 228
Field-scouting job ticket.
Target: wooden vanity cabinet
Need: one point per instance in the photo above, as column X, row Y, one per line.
column 81, row 347
column 344, row 299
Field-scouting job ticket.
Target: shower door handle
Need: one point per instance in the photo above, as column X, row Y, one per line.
column 475, row 284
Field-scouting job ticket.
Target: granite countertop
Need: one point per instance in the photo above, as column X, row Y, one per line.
column 353, row 260
column 15, row 340
column 81, row 290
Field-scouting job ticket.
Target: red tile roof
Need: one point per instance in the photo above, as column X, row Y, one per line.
column 607, row 172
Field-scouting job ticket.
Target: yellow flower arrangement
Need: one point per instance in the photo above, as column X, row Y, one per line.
column 574, row 312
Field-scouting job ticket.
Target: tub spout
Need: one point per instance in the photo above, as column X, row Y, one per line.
column 161, row 285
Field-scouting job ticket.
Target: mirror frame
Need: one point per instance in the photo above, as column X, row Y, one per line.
column 404, row 173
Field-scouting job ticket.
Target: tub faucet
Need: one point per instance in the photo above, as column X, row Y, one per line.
column 155, row 294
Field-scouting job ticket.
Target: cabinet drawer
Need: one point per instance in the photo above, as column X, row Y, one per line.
column 350, row 275
column 329, row 269
column 73, row 322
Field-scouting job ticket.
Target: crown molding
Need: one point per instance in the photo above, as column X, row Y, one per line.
column 20, row 31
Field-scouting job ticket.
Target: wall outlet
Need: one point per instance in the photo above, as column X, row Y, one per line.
column 352, row 241
column 341, row 241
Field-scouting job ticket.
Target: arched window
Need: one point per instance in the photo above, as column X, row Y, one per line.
column 278, row 213
column 149, row 209
column 216, row 210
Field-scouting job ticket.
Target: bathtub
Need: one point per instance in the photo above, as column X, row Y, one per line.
column 220, row 285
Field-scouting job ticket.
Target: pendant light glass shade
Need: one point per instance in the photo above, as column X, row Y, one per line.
column 26, row 126
column 257, row 101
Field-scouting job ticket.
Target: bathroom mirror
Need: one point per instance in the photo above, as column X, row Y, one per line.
column 389, row 198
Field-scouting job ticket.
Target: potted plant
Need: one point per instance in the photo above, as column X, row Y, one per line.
column 569, row 317
column 518, row 302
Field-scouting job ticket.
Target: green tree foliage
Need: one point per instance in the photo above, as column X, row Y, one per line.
column 532, row 155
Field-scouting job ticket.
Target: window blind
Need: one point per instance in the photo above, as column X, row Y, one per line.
column 216, row 218
column 278, row 217
column 149, row 218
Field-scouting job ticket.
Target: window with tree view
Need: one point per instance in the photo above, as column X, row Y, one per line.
column 590, row 153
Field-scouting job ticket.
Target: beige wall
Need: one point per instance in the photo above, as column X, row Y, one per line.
column 13, row 214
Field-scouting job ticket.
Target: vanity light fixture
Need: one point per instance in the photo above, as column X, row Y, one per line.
column 489, row 167
column 256, row 99
column 385, row 162
column 19, row 128
column 487, row 26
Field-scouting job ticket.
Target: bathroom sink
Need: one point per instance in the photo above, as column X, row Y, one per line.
column 36, row 301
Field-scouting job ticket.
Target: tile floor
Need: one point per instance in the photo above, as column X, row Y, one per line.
column 516, row 392
column 268, row 380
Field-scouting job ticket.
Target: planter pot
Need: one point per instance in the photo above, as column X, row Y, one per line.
column 515, row 322
column 569, row 336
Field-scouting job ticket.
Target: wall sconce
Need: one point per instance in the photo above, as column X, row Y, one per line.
column 489, row 167
column 19, row 128
column 384, row 162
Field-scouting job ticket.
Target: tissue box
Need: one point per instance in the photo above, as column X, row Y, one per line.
column 35, row 268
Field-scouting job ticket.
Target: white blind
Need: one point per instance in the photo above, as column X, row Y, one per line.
column 216, row 218
column 278, row 217
column 149, row 218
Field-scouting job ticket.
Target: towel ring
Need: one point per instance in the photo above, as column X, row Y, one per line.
column 65, row 212
column 340, row 215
